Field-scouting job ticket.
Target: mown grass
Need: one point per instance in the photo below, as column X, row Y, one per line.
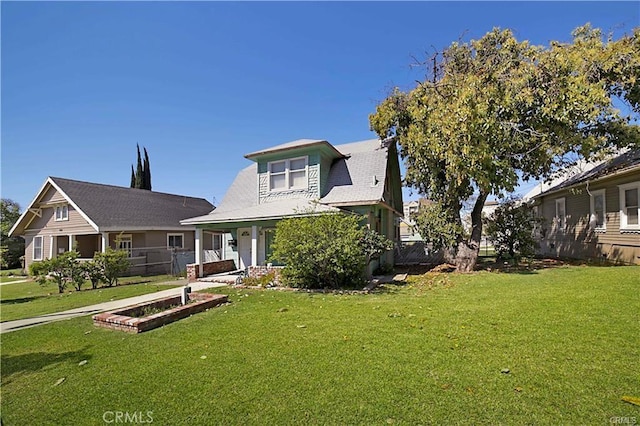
column 433, row 351
column 10, row 272
column 29, row 299
column 7, row 279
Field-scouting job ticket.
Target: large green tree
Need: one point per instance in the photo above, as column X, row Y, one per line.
column 11, row 248
column 496, row 110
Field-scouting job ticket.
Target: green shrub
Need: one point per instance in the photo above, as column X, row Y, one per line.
column 329, row 250
column 93, row 272
column 511, row 229
column 61, row 270
column 113, row 263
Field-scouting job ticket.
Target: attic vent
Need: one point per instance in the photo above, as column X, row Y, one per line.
column 374, row 180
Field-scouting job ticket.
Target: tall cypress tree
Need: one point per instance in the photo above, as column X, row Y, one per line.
column 139, row 172
column 141, row 177
column 133, row 178
column 147, row 171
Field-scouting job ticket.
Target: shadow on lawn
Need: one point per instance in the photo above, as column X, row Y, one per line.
column 20, row 300
column 491, row 264
column 35, row 361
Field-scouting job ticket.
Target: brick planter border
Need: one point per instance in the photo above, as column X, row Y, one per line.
column 122, row 319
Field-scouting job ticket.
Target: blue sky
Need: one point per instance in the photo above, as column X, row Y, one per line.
column 200, row 84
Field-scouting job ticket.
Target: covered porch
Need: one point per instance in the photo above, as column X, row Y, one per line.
column 85, row 244
column 246, row 244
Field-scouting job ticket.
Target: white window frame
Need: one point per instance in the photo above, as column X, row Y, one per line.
column 61, row 213
column 127, row 239
column 537, row 229
column 624, row 226
column 560, row 222
column 38, row 238
column 592, row 205
column 181, row 235
column 287, row 174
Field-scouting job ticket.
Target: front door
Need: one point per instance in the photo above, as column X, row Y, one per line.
column 244, row 246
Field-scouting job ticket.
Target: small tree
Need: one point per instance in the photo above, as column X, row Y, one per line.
column 322, row 251
column 113, row 263
column 61, row 270
column 374, row 245
column 93, row 272
column 511, row 227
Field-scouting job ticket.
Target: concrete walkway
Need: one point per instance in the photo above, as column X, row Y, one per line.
column 8, row 326
column 15, row 282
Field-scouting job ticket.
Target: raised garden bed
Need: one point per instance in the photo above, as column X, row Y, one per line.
column 130, row 320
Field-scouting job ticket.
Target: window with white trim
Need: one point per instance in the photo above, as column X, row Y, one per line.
column 630, row 206
column 175, row 241
column 288, row 174
column 560, row 219
column 216, row 244
column 216, row 241
column 62, row 213
column 598, row 218
column 37, row 248
column 125, row 242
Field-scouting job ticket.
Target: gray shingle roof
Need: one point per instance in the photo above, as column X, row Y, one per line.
column 630, row 159
column 350, row 182
column 115, row 208
column 359, row 177
column 300, row 143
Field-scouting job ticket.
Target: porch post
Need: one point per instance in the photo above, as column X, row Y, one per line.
column 70, row 242
column 199, row 251
column 254, row 245
column 105, row 241
column 51, row 243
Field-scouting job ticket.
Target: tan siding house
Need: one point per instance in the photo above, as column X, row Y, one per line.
column 68, row 214
column 596, row 214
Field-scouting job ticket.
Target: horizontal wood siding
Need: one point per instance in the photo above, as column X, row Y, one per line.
column 156, row 239
column 580, row 239
column 47, row 225
column 51, row 196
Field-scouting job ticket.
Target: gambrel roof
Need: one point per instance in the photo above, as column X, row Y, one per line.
column 357, row 177
column 109, row 208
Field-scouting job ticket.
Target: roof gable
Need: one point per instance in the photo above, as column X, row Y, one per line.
column 111, row 208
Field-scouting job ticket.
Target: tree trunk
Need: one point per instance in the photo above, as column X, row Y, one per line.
column 467, row 255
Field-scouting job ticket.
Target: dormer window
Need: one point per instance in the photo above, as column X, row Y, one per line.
column 288, row 174
column 62, row 213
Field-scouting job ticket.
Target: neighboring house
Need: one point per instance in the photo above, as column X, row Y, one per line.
column 68, row 214
column 489, row 207
column 594, row 214
column 407, row 223
column 301, row 178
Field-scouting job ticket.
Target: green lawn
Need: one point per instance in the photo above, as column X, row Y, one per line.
column 6, row 279
column 29, row 299
column 10, row 272
column 433, row 351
